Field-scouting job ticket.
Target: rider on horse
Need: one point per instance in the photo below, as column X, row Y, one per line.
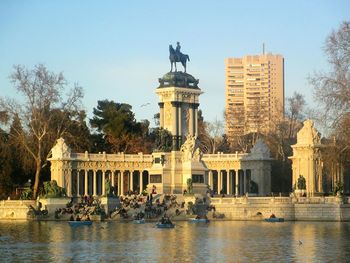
column 177, row 50
column 177, row 56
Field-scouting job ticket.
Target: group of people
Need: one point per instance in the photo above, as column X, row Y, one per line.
column 87, row 200
column 139, row 216
column 131, row 201
column 146, row 206
column 83, row 218
column 86, row 206
column 165, row 220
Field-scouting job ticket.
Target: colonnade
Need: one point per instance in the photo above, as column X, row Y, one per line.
column 177, row 108
column 93, row 182
column 230, row 182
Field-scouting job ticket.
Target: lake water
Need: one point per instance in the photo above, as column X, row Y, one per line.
column 225, row 241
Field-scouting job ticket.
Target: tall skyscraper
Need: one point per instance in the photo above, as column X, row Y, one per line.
column 254, row 93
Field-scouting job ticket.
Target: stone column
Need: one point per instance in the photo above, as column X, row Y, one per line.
column 141, row 181
column 236, row 182
column 94, row 177
column 219, row 181
column 179, row 120
column 112, row 181
column 121, row 182
column 244, row 182
column 86, row 192
column 174, row 118
column 131, row 180
column 69, row 182
column 210, row 179
column 103, row 183
column 174, row 128
column 320, row 179
column 228, row 184
column 161, row 114
column 196, row 121
column 190, row 123
column 78, row 182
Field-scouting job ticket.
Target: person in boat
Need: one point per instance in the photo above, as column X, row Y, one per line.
column 165, row 220
column 77, row 218
column 272, row 216
column 71, row 218
column 141, row 215
column 87, row 218
column 138, row 216
column 198, row 217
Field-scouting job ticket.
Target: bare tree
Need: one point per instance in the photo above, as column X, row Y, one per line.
column 213, row 136
column 332, row 89
column 295, row 110
column 41, row 97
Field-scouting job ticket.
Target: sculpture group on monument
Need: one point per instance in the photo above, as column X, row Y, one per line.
column 178, row 92
column 176, row 56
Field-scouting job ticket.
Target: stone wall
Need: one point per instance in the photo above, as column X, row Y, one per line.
column 109, row 203
column 240, row 208
column 257, row 208
column 51, row 204
column 15, row 209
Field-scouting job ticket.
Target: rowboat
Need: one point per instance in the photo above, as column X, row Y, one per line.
column 139, row 221
column 199, row 220
column 80, row 223
column 274, row 219
column 167, row 225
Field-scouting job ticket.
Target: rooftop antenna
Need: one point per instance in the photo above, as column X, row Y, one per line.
column 263, row 48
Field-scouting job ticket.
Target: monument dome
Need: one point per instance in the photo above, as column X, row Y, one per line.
column 178, row 79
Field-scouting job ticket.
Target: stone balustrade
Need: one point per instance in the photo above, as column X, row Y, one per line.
column 281, row 200
column 223, row 156
column 290, row 208
column 120, row 157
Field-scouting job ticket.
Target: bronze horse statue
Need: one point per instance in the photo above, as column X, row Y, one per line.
column 177, row 57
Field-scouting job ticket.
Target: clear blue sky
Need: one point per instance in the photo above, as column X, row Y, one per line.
column 117, row 50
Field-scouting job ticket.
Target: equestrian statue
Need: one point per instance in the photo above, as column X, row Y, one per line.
column 177, row 56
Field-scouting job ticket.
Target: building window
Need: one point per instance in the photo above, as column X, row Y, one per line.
column 198, row 178
column 155, row 178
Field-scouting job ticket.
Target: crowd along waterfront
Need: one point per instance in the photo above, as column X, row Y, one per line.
column 227, row 241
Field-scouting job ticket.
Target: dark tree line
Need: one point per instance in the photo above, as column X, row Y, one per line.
column 332, row 92
column 31, row 125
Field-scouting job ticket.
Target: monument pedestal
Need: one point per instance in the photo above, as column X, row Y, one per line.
column 170, row 171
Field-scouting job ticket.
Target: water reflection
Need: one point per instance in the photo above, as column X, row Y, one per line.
column 188, row 242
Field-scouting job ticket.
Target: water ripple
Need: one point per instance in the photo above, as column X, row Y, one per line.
column 188, row 242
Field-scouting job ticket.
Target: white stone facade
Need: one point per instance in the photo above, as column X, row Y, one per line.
column 86, row 174
column 166, row 172
column 307, row 159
